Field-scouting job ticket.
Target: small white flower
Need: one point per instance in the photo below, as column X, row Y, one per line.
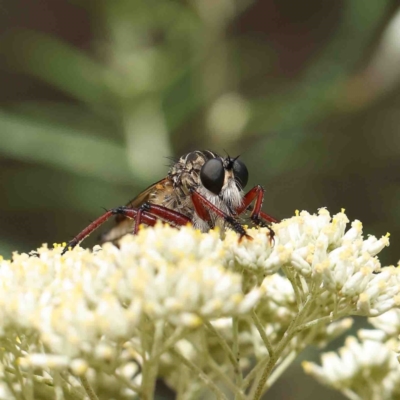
column 388, row 323
column 371, row 334
column 104, row 352
column 360, row 368
column 79, row 366
column 58, row 362
column 381, row 292
column 256, row 254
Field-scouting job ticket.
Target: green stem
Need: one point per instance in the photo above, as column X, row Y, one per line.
column 200, row 374
column 281, row 368
column 236, row 352
column 287, row 337
column 209, row 360
column 224, row 345
column 313, row 323
column 221, row 374
column 36, row 378
column 293, row 354
column 277, row 372
column 76, row 392
column 58, row 382
column 176, row 335
column 10, row 385
column 295, row 287
column 262, row 333
column 88, row 388
column 254, row 372
column 150, row 365
column 350, row 394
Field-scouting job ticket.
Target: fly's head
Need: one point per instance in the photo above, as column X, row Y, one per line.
column 219, row 179
column 225, row 177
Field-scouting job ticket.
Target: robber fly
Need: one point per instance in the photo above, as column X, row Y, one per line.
column 202, row 189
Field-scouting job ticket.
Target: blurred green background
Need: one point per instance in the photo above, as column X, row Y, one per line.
column 95, row 95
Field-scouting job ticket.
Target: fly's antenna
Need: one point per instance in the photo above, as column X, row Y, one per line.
column 230, row 161
column 228, row 157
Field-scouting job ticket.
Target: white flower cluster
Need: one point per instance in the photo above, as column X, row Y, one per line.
column 366, row 369
column 163, row 273
column 341, row 266
column 184, row 305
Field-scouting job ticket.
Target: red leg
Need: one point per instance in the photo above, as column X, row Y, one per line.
column 138, row 221
column 173, row 217
column 257, row 215
column 202, row 205
column 147, row 213
column 128, row 212
column 268, row 218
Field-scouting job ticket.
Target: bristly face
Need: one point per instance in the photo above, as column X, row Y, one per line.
column 220, row 180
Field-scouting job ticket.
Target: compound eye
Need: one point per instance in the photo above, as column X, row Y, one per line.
column 212, row 175
column 241, row 173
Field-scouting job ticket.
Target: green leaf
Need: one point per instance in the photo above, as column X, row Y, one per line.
column 57, row 63
column 61, row 147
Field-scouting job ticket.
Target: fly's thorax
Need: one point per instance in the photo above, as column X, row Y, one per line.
column 162, row 193
column 185, row 174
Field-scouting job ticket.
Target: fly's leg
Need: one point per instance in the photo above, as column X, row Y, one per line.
column 258, row 217
column 203, row 206
column 148, row 214
column 173, row 217
column 125, row 211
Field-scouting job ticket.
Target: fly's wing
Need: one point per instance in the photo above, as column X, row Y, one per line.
column 126, row 225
